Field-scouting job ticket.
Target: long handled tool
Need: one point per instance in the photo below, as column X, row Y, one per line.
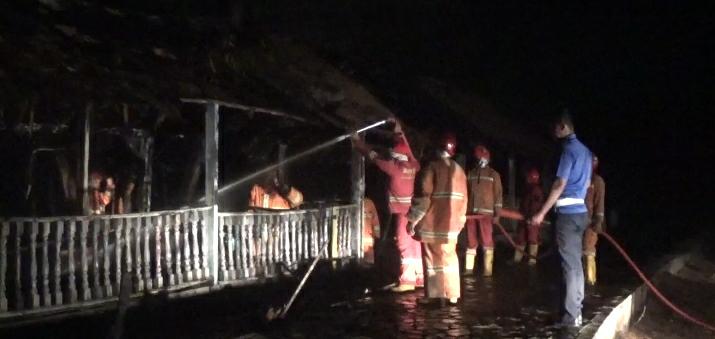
column 281, row 312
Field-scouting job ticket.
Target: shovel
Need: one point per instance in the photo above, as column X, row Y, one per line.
column 280, row 312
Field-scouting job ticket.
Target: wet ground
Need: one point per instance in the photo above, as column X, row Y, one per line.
column 518, row 302
column 693, row 289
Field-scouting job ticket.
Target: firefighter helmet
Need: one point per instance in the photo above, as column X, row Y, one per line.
column 532, row 176
column 401, row 150
column 448, row 143
column 482, row 152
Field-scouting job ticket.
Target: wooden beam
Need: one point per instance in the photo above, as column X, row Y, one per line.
column 243, row 108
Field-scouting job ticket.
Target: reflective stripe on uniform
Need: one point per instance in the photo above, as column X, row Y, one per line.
column 439, row 269
column 448, row 195
column 439, row 235
column 411, row 261
column 568, row 202
column 480, row 178
column 403, row 200
column 482, row 210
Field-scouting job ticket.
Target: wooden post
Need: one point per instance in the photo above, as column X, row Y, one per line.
column 148, row 153
column 511, row 199
column 211, row 187
column 358, row 196
column 85, row 160
column 4, row 231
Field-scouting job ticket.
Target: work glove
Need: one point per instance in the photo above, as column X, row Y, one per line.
column 411, row 228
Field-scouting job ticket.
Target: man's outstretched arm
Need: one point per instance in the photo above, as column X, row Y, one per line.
column 556, row 189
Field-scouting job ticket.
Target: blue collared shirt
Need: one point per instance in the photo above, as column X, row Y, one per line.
column 575, row 168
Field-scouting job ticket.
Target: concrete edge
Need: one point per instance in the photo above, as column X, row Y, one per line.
column 630, row 309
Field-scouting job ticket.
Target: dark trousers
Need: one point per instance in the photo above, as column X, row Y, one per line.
column 569, row 238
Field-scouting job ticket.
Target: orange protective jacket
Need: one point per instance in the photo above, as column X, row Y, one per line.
column 371, row 222
column 260, row 198
column 439, row 206
column 595, row 197
column 485, row 191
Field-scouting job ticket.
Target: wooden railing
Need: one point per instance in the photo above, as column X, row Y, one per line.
column 256, row 245
column 59, row 263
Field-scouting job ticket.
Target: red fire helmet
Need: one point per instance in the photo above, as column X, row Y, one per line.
column 401, row 148
column 448, row 143
column 482, row 152
column 532, row 176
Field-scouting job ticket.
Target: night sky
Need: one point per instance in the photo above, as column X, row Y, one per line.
column 637, row 77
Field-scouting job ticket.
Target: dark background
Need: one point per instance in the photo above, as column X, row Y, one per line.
column 638, row 77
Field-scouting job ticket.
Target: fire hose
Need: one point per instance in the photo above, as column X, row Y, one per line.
column 509, row 214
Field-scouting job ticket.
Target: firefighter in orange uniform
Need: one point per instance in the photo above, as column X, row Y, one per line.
column 485, row 201
column 595, row 198
column 370, row 230
column 401, row 169
column 530, row 204
column 102, row 193
column 275, row 195
column 436, row 217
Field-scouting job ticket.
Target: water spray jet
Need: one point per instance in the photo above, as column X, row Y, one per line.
column 290, row 159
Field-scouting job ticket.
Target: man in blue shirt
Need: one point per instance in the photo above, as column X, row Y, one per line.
column 567, row 196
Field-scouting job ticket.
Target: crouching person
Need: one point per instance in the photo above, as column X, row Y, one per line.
column 436, row 217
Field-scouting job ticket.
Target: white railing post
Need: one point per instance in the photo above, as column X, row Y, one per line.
column 58, row 262
column 198, row 273
column 167, row 251
column 71, row 280
column 34, row 296
column 86, row 295
column 138, row 250
column 158, row 278
column 96, row 286
column 46, row 299
column 148, row 227
column 106, row 224
column 186, row 247
column 177, row 245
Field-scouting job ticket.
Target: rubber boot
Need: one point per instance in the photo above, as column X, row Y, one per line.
column 488, row 261
column 469, row 262
column 519, row 253
column 533, row 251
column 590, row 269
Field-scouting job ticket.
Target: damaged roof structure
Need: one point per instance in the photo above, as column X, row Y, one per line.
column 130, row 68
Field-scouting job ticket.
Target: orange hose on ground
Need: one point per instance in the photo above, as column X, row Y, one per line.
column 510, row 214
